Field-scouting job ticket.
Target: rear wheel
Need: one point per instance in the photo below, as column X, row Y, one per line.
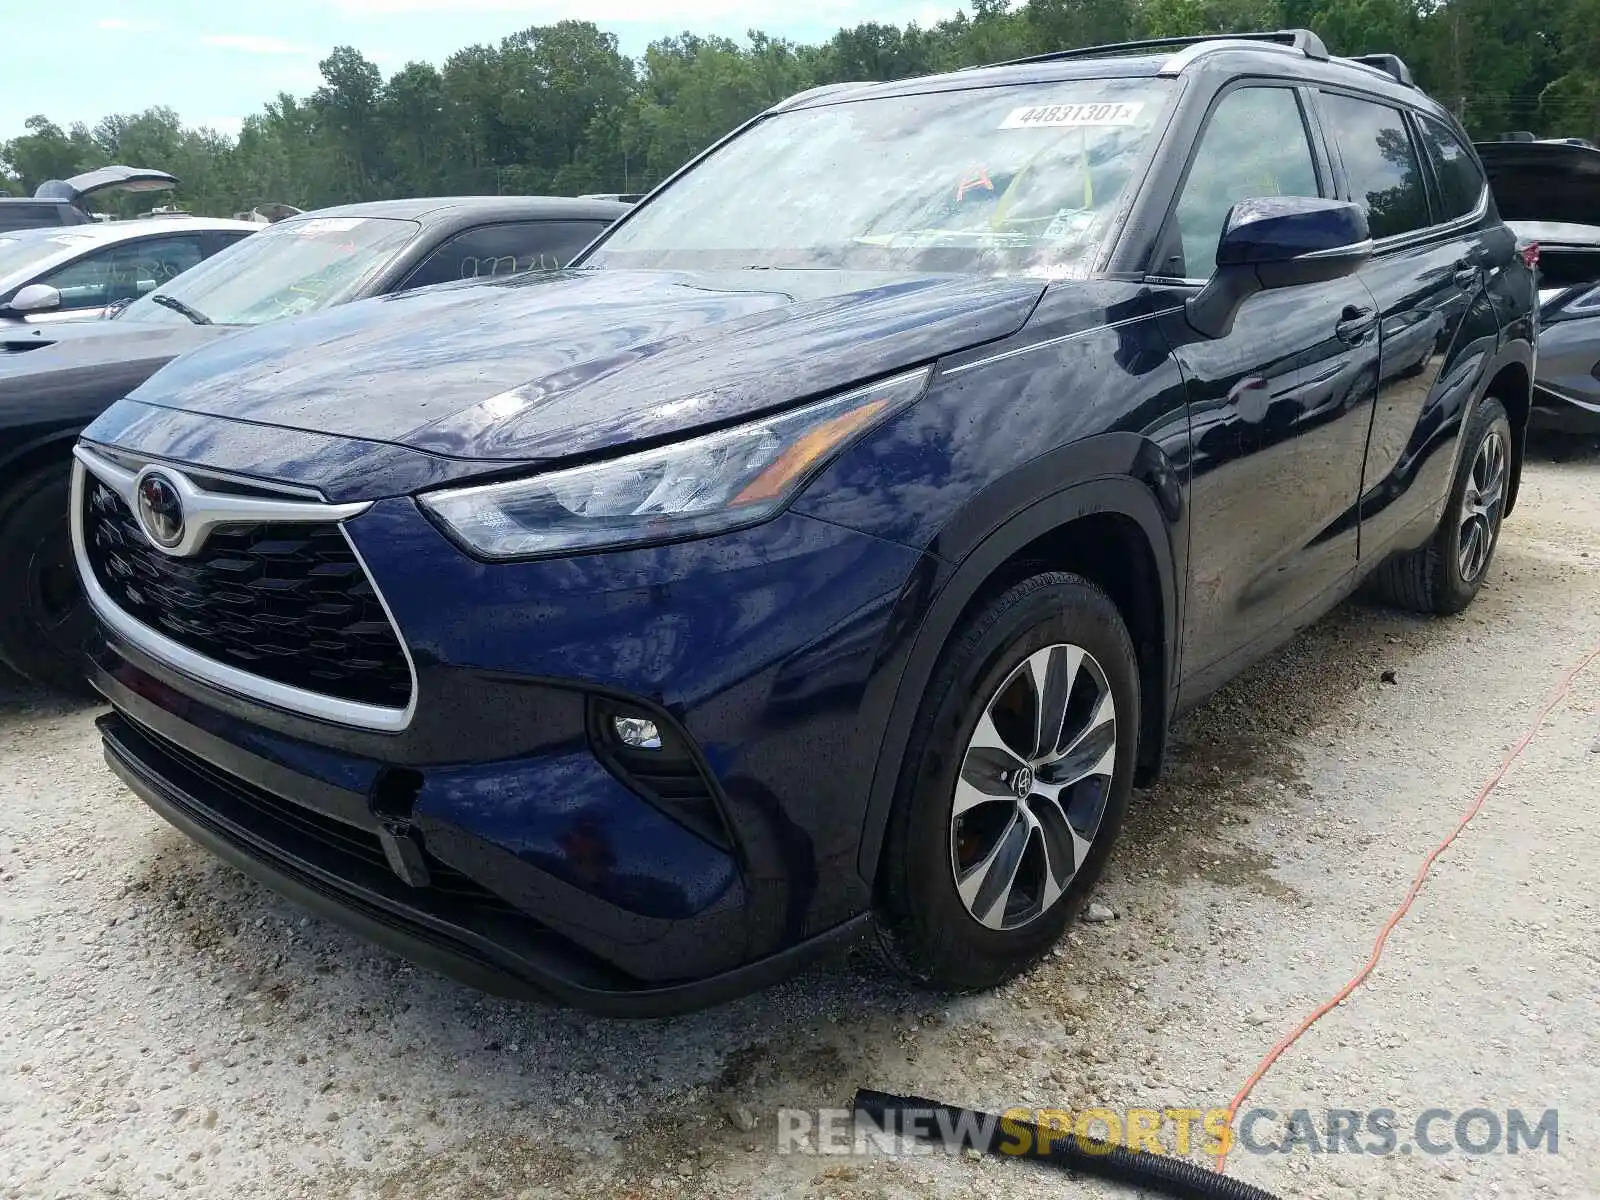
column 44, row 618
column 1014, row 786
column 1444, row 575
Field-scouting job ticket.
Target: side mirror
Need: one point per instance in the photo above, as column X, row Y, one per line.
column 36, row 297
column 1281, row 241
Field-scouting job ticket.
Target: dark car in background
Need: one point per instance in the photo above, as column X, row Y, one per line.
column 54, row 379
column 59, row 202
column 813, row 557
column 1548, row 190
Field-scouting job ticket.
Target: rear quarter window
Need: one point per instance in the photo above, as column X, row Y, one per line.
column 1461, row 183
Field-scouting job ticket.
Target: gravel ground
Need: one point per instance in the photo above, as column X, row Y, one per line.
column 168, row 1027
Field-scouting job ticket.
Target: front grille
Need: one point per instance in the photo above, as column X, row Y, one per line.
column 288, row 602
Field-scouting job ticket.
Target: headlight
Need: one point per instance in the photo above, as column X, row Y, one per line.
column 703, row 485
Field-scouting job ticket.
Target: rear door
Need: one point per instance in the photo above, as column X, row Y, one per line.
column 1279, row 408
column 1436, row 244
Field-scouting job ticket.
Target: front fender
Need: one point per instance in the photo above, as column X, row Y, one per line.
column 982, row 539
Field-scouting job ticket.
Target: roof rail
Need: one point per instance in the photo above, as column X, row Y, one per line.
column 1302, row 40
column 814, row 93
column 1390, row 64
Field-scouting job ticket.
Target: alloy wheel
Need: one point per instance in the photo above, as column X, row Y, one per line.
column 1033, row 786
column 1482, row 506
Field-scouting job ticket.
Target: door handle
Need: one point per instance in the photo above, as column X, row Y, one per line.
column 1468, row 275
column 1354, row 324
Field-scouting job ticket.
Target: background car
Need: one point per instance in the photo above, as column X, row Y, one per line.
column 55, row 379
column 1548, row 190
column 58, row 202
column 76, row 273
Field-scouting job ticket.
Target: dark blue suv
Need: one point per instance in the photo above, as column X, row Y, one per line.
column 833, row 545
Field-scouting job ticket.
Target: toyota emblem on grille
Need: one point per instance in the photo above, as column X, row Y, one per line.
column 160, row 509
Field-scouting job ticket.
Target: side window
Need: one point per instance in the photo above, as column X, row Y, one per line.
column 1381, row 163
column 227, row 238
column 1254, row 145
column 497, row 250
column 1461, row 183
column 123, row 272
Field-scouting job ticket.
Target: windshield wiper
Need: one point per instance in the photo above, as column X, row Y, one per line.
column 178, row 306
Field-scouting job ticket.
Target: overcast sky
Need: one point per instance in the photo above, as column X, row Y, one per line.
column 217, row 62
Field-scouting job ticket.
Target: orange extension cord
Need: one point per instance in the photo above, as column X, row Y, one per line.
column 1556, row 697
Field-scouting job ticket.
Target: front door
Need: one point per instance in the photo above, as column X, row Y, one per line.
column 1279, row 408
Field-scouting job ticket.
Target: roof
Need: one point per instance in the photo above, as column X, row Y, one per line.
column 105, row 233
column 1294, row 54
column 472, row 209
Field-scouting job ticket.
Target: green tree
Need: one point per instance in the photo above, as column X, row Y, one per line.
column 558, row 108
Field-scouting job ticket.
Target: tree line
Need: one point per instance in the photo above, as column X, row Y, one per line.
column 558, row 109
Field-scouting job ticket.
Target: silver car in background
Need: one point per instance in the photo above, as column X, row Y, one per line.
column 77, row 272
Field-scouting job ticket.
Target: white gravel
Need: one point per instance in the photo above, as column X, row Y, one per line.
column 169, row 1028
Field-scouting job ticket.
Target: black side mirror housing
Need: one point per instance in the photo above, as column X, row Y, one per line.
column 1276, row 242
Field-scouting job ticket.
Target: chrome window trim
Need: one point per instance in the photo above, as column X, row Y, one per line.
column 181, row 658
column 1411, row 237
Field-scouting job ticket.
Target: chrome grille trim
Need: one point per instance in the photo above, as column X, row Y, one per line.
column 181, row 658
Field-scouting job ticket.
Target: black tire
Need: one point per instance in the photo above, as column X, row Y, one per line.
column 925, row 928
column 1430, row 579
column 44, row 619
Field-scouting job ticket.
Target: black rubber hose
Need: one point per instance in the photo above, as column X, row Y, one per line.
column 1154, row 1172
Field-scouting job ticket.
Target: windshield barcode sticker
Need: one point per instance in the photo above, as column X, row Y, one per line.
column 1066, row 116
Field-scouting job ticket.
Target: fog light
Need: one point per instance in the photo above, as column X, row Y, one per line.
column 638, row 732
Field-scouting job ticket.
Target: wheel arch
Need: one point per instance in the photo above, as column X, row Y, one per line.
column 1511, row 383
column 22, row 461
column 1124, row 532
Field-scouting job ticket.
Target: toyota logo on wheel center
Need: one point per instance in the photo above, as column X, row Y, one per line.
column 160, row 510
column 1022, row 783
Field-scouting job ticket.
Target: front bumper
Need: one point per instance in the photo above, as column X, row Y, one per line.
column 501, row 952
column 488, row 838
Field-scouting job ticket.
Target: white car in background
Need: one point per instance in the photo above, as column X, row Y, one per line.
column 77, row 272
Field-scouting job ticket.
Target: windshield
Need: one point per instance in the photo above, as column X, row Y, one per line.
column 1013, row 179
column 296, row 266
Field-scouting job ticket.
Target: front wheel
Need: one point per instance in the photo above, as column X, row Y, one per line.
column 44, row 618
column 1014, row 787
column 1444, row 575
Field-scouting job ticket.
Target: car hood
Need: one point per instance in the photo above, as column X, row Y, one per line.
column 537, row 366
column 1543, row 181
column 69, row 344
